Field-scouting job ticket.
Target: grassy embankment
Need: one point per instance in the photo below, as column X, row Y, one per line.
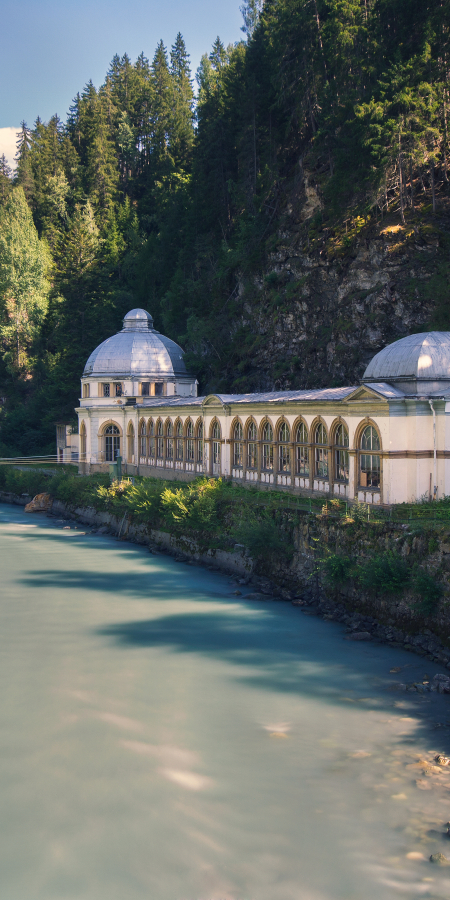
column 219, row 514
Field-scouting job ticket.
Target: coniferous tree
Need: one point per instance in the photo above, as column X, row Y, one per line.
column 182, row 128
column 161, row 115
column 24, row 173
column 101, row 169
column 5, row 179
column 77, row 261
column 24, row 285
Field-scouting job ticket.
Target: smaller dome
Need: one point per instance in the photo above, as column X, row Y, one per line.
column 423, row 357
column 138, row 320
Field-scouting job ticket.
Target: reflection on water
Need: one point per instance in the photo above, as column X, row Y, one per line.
column 164, row 740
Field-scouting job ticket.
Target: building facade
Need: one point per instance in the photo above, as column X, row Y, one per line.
column 384, row 441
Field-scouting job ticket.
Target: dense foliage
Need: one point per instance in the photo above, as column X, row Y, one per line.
column 214, row 512
column 220, row 514
column 145, row 197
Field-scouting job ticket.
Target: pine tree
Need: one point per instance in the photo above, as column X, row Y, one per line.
column 24, row 285
column 182, row 127
column 78, row 262
column 5, row 179
column 24, row 173
column 218, row 55
column 161, row 113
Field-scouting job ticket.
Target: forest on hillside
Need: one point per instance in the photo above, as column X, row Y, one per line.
column 327, row 124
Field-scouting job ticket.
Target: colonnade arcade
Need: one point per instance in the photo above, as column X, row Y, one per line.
column 315, row 457
column 171, row 444
column 279, row 453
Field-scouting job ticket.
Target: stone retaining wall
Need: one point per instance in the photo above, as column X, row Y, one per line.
column 367, row 616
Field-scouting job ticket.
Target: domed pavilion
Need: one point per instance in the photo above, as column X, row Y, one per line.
column 384, row 441
column 138, row 362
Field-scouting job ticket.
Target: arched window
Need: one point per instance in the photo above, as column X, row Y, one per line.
column 216, row 446
column 341, row 454
column 169, row 433
column 369, row 460
column 143, row 439
column 112, row 443
column 267, row 447
column 200, row 442
column 179, row 443
column 82, row 442
column 238, row 447
column 151, row 438
column 302, row 451
column 252, row 455
column 160, row 440
column 321, row 451
column 190, row 456
column 130, row 443
column 284, row 435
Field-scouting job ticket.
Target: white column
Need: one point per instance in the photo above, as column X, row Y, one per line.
column 352, row 475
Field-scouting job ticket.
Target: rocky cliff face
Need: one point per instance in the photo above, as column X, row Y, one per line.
column 331, row 298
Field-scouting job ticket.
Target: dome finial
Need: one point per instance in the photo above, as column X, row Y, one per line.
column 138, row 320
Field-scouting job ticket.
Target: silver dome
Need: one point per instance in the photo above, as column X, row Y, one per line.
column 419, row 358
column 138, row 351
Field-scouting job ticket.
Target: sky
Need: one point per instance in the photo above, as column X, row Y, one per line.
column 49, row 49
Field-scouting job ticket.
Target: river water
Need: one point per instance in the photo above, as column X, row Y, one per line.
column 163, row 739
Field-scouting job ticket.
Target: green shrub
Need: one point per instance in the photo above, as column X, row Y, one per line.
column 337, row 569
column 430, row 592
column 385, row 572
column 143, row 499
column 261, row 535
column 19, row 482
column 195, row 505
column 359, row 511
column 77, row 490
column 113, row 496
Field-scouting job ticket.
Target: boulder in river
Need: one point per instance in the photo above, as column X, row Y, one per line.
column 441, row 683
column 359, row 636
column 442, row 760
column 39, row 503
column 439, row 859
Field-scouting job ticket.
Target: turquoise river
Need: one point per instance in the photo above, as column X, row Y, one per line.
column 165, row 739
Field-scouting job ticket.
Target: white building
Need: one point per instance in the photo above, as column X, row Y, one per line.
column 67, row 443
column 386, row 440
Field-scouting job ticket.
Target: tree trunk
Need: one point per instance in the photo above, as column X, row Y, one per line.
column 411, row 184
column 402, row 210
column 320, row 39
column 255, row 172
column 433, row 192
column 445, row 140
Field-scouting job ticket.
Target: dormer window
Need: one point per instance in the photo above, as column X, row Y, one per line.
column 118, row 389
column 159, row 389
column 106, row 390
column 145, row 389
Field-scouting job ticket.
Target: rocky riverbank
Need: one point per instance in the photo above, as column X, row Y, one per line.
column 299, row 581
